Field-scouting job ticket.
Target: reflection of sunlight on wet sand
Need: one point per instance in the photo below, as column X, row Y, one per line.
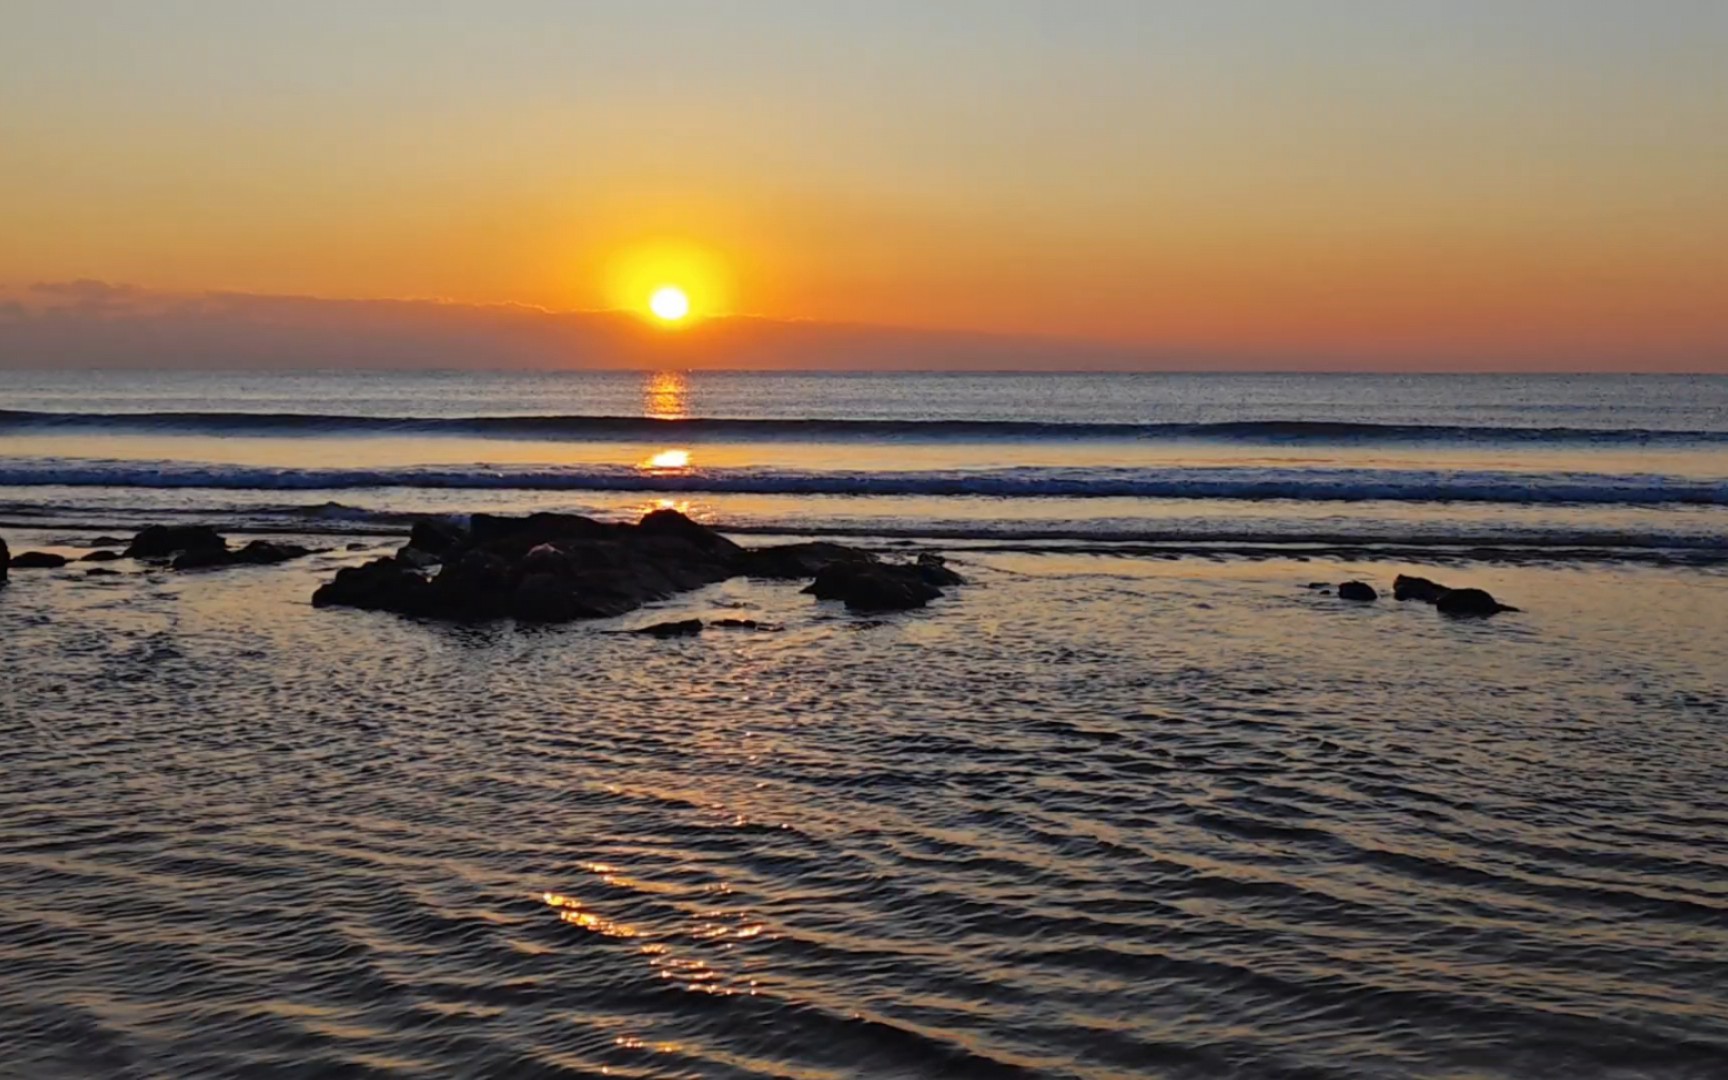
column 665, row 395
column 668, row 460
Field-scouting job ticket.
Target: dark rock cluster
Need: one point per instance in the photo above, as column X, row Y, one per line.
column 199, row 547
column 559, row 567
column 1464, row 602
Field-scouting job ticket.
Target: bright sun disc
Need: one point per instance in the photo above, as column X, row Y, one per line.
column 669, row 303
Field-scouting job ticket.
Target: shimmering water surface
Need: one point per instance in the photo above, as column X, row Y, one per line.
column 1135, row 802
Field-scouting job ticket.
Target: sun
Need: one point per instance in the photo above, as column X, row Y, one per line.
column 670, row 303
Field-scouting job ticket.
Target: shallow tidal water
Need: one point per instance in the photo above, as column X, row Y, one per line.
column 1090, row 816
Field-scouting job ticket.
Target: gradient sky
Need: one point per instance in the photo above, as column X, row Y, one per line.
column 1338, row 182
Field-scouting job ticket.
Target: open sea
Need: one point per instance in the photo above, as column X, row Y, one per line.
column 1135, row 802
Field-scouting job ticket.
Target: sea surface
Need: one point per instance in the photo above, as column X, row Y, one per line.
column 1135, row 802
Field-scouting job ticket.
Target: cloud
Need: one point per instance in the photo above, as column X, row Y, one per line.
column 95, row 324
column 103, row 325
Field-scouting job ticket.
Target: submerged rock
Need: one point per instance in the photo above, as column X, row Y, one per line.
column 257, row 553
column 557, row 567
column 38, row 560
column 101, row 571
column 680, row 628
column 741, row 624
column 1470, row 602
column 1357, row 590
column 1477, row 602
column 102, row 556
column 874, row 586
column 1405, row 587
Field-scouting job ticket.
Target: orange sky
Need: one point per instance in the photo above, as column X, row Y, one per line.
column 1423, row 184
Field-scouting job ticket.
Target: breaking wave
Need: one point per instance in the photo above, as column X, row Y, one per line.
column 1234, row 483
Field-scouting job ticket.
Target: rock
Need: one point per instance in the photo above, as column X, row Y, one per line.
column 38, row 560
column 1405, row 587
column 268, row 553
column 380, row 585
column 257, row 553
column 5, row 561
column 681, row 628
column 934, row 570
column 1469, row 602
column 101, row 571
column 435, row 536
column 415, row 557
column 165, row 541
column 105, row 542
column 874, row 586
column 1357, row 590
column 555, row 567
column 1327, row 585
column 102, row 556
column 741, row 624
column 800, row 560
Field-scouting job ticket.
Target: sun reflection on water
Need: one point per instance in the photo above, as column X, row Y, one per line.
column 666, row 395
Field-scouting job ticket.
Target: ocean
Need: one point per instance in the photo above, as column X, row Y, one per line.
column 1136, row 801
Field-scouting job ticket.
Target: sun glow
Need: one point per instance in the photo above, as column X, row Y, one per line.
column 669, row 459
column 674, row 283
column 670, row 303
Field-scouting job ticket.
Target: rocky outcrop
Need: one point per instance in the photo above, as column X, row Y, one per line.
column 1357, row 590
column 38, row 560
column 559, row 567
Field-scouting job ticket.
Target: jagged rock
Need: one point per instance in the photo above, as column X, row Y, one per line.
column 1357, row 590
column 1469, row 602
column 38, row 560
column 680, row 628
column 1405, row 587
column 165, row 541
column 102, row 556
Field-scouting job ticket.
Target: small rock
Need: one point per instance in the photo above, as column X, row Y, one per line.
column 37, row 560
column 681, row 628
column 102, row 556
column 1469, row 602
column 165, row 541
column 1327, row 585
column 741, row 624
column 874, row 586
column 1357, row 590
column 101, row 571
column 105, row 541
column 1405, row 587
